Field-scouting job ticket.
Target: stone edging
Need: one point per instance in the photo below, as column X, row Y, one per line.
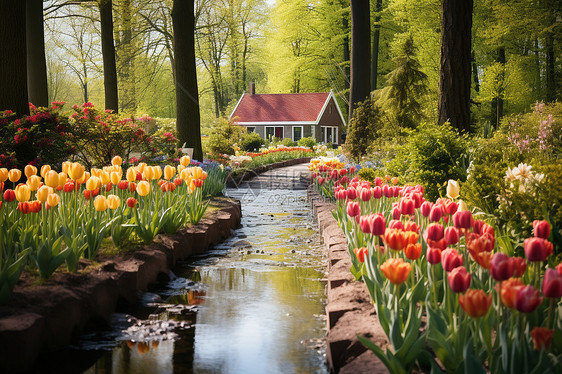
column 349, row 309
column 251, row 173
column 29, row 329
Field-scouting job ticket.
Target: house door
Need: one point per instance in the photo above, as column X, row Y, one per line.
column 279, row 132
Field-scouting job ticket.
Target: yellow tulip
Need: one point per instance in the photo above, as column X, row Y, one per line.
column 34, row 182
column 113, row 202
column 93, row 183
column 197, row 172
column 115, row 178
column 192, row 186
column 148, row 173
column 30, row 170
column 157, row 172
column 53, row 199
column 131, row 174
column 45, row 169
column 140, row 167
column 76, row 171
column 100, row 203
column 169, row 172
column 62, row 178
column 185, row 160
column 104, row 176
column 117, row 160
column 43, row 192
column 66, row 166
column 143, row 188
column 180, row 168
column 23, row 192
column 3, row 175
column 84, row 178
column 462, row 206
column 95, row 172
column 14, row 175
column 185, row 174
column 452, row 189
column 52, row 178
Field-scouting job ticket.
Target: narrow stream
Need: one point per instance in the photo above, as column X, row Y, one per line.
column 253, row 304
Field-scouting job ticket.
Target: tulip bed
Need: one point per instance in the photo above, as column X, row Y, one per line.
column 74, row 210
column 449, row 294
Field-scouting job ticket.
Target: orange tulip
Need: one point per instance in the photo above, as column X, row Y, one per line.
column 185, row 174
column 14, row 175
column 43, row 192
column 30, row 170
column 542, row 337
column 117, row 160
column 483, row 259
column 3, row 175
column 95, row 172
column 131, row 174
column 169, row 172
column 115, row 178
column 185, row 160
column 51, row 178
column 140, row 167
column 66, row 166
column 475, row 302
column 100, row 203
column 509, row 290
column 143, row 188
column 360, row 253
column 93, row 183
column 34, row 182
column 148, row 173
column 84, row 178
column 76, row 171
column 197, row 172
column 396, row 270
column 157, row 172
column 105, row 179
column 63, row 177
column 113, row 202
column 23, row 192
column 53, row 200
column 44, row 170
column 413, row 251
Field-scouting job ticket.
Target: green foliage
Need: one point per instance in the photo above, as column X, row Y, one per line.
column 430, row 156
column 363, row 128
column 251, row 142
column 224, row 135
column 405, row 86
column 309, row 142
column 288, row 142
column 367, row 174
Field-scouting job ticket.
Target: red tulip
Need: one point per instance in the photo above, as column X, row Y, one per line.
column 477, row 226
column 450, row 259
column 396, row 270
column 365, row 194
column 407, row 206
column 537, row 249
column 459, row 279
column 435, row 214
column 541, row 229
column 435, row 232
column 425, row 208
column 24, row 207
column 527, row 299
column 387, row 191
column 501, row 267
column 9, row 195
column 353, row 209
column 559, row 268
column 395, row 224
column 131, row 202
column 475, row 303
column 519, row 266
column 68, row 186
column 412, row 226
column 451, row 235
column 433, row 255
column 413, row 251
column 360, row 253
column 374, row 224
column 480, row 243
column 108, row 187
column 378, row 181
column 321, row 181
column 133, row 187
column 552, row 284
column 123, row 185
column 542, row 337
column 395, row 239
column 462, row 220
column 178, row 181
column 509, row 290
column 377, row 192
column 351, row 193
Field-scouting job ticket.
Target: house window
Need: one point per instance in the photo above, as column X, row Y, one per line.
column 297, row 133
column 329, row 134
column 251, row 129
column 271, row 131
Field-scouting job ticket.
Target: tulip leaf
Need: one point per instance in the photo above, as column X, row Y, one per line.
column 388, row 359
column 395, row 333
column 471, row 364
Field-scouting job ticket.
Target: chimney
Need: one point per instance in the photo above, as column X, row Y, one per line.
column 252, row 88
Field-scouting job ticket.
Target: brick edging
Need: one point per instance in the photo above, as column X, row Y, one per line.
column 28, row 330
column 349, row 309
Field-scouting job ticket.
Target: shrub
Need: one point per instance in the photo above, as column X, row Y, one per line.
column 224, row 135
column 430, row 156
column 251, row 142
column 367, row 174
column 309, row 142
column 288, row 142
column 363, row 128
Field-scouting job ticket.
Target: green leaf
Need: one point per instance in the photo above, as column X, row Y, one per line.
column 395, row 333
column 471, row 364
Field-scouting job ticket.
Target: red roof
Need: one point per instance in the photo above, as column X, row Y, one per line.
column 280, row 107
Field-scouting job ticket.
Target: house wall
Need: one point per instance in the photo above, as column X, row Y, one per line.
column 330, row 117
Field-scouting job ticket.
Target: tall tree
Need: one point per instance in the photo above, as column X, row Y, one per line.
column 38, row 92
column 13, row 63
column 188, row 123
column 455, row 74
column 108, row 53
column 360, row 53
column 376, row 38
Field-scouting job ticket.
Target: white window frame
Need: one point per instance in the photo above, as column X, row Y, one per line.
column 334, row 134
column 293, row 132
column 273, row 127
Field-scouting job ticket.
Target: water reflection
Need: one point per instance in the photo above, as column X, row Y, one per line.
column 257, row 308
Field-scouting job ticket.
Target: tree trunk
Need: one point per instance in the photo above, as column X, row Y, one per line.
column 550, row 68
column 37, row 89
column 375, row 53
column 108, row 52
column 346, row 53
column 360, row 53
column 13, row 64
column 188, row 122
column 454, row 75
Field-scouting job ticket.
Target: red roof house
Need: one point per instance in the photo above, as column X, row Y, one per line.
column 292, row 116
